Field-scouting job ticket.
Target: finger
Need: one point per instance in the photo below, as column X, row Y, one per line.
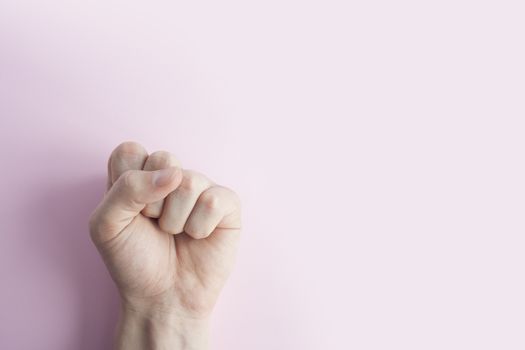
column 217, row 207
column 128, row 196
column 156, row 161
column 179, row 204
column 128, row 155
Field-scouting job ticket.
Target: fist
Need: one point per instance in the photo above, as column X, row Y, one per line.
column 167, row 235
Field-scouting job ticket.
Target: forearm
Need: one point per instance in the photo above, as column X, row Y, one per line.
column 152, row 331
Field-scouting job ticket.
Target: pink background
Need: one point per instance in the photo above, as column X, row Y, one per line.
column 378, row 148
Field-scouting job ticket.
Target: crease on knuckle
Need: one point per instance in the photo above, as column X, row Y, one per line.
column 128, row 180
column 190, row 183
column 210, row 200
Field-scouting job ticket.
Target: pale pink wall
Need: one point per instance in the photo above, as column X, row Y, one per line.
column 378, row 148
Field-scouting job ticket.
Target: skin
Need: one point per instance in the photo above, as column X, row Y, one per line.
column 168, row 237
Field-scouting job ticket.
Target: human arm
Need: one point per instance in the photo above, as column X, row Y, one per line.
column 168, row 237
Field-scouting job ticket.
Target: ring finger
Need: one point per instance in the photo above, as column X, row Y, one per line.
column 179, row 204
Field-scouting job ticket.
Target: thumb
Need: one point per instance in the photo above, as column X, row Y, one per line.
column 128, row 196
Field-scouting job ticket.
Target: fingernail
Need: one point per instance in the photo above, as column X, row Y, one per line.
column 163, row 177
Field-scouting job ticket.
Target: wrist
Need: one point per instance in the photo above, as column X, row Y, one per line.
column 154, row 329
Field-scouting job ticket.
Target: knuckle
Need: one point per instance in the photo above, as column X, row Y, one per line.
column 127, row 180
column 129, row 183
column 210, row 200
column 163, row 158
column 128, row 148
column 191, row 182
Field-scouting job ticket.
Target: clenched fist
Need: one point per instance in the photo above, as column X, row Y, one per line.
column 168, row 237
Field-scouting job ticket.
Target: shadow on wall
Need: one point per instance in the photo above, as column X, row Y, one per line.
column 65, row 210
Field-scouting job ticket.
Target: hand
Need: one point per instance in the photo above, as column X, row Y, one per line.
column 168, row 238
